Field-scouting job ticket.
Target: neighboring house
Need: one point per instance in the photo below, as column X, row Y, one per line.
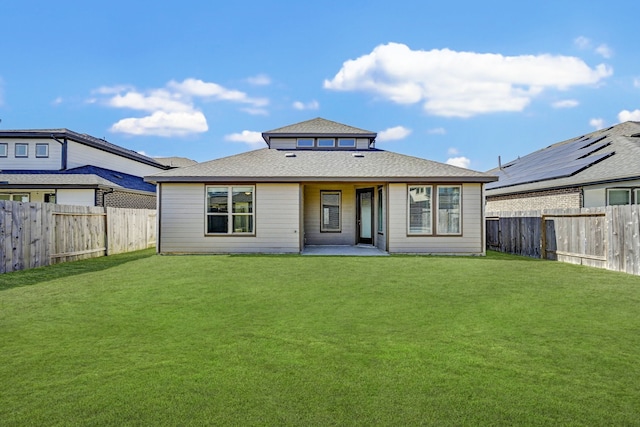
column 598, row 169
column 320, row 183
column 65, row 167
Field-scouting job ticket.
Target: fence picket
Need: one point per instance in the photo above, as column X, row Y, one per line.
column 38, row 234
column 598, row 237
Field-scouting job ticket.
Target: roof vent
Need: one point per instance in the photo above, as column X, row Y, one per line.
column 290, row 154
column 357, row 154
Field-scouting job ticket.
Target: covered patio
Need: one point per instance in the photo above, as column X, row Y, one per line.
column 343, row 250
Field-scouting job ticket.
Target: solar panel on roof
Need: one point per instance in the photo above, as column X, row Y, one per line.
column 553, row 162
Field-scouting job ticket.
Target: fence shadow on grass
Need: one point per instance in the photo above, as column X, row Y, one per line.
column 57, row 271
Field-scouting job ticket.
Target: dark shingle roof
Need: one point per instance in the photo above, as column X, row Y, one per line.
column 606, row 155
column 271, row 165
column 100, row 144
column 81, row 176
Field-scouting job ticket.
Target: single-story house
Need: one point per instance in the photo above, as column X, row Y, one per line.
column 597, row 169
column 320, row 182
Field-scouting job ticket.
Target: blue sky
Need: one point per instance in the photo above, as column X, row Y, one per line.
column 460, row 82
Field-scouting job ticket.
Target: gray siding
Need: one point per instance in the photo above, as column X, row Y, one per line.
column 82, row 155
column 312, row 233
column 470, row 242
column 53, row 162
column 182, row 221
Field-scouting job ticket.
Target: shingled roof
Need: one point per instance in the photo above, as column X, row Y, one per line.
column 316, row 128
column 272, row 165
column 606, row 155
column 81, row 177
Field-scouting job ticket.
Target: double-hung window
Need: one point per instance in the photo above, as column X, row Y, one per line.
column 447, row 214
column 4, row 149
column 230, row 209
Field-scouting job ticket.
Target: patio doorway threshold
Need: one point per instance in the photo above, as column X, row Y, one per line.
column 343, row 250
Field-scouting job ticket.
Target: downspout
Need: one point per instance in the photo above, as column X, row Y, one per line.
column 63, row 158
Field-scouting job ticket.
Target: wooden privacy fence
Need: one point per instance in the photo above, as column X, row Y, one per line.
column 39, row 234
column 599, row 237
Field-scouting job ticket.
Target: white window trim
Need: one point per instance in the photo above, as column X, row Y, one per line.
column 437, row 204
column 21, row 144
column 305, row 146
column 322, row 213
column 320, row 140
column 420, row 233
column 4, row 149
column 342, row 144
column 230, row 214
column 46, row 147
column 628, row 190
column 636, row 194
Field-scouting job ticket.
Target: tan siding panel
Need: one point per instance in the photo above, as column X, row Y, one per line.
column 313, row 236
column 183, row 221
column 469, row 243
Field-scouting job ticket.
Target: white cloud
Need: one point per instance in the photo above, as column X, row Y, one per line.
column 311, row 105
column 597, row 123
column 461, row 84
column 636, row 82
column 437, row 131
column 57, row 101
column 565, row 103
column 626, row 115
column 260, row 80
column 582, row 42
column 172, row 110
column 461, row 162
column 199, row 88
column 453, row 151
column 604, row 51
column 247, row 136
column 161, row 123
column 393, row 134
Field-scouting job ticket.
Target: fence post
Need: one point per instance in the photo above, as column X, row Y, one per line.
column 543, row 237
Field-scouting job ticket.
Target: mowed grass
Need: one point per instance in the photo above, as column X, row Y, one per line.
column 141, row 339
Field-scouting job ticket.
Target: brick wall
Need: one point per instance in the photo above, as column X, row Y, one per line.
column 124, row 199
column 565, row 198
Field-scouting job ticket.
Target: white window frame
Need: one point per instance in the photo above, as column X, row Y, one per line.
column 23, row 197
column 230, row 214
column 438, row 209
column 40, row 146
column 420, row 189
column 380, row 225
column 21, row 145
column 627, row 190
column 342, row 142
column 305, row 143
column 326, row 142
column 4, row 149
column 636, row 194
column 325, row 213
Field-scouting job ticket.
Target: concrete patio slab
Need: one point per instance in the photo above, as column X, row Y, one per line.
column 343, row 250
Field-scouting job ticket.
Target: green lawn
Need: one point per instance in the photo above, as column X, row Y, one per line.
column 140, row 339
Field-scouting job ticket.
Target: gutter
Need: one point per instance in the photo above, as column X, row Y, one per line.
column 63, row 158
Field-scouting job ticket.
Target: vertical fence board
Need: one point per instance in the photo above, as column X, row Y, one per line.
column 598, row 237
column 39, row 234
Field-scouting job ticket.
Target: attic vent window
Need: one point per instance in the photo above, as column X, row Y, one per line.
column 290, row 154
column 357, row 154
